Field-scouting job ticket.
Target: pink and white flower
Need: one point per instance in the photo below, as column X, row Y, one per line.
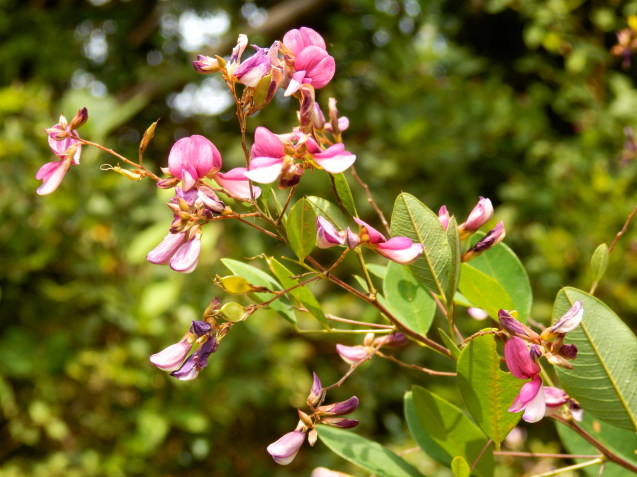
column 399, row 249
column 180, row 250
column 310, row 62
column 284, row 450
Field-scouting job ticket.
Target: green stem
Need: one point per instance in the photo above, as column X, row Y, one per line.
column 370, row 285
column 597, row 461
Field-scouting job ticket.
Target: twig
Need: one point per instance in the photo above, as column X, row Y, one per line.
column 623, row 230
column 599, row 460
column 475, row 462
column 414, row 366
column 371, row 200
column 540, row 455
column 354, row 322
column 119, row 156
column 285, row 206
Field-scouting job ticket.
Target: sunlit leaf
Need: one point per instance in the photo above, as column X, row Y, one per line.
column 484, row 291
column 344, row 193
column 301, row 228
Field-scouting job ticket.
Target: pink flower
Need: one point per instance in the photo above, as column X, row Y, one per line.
column 171, row 358
column 236, row 183
column 251, row 71
column 399, row 249
column 326, row 234
column 530, row 399
column 310, row 61
column 64, row 143
column 353, row 354
column 480, row 215
column 284, row 450
column 519, row 360
column 193, row 158
column 180, row 249
column 443, row 216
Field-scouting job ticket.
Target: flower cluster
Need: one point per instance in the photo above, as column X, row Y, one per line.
column 284, row 450
column 399, row 249
column 522, row 352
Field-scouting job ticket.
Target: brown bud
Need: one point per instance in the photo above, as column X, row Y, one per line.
column 148, row 135
column 79, row 119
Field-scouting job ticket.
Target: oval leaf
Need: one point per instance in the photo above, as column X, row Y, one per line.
column 452, row 430
column 366, row 454
column 329, row 211
column 426, row 443
column 344, row 193
column 483, row 291
column 501, row 264
column 259, row 277
column 459, row 467
column 406, row 298
column 603, row 375
column 599, row 262
column 486, row 389
column 411, row 218
column 300, row 227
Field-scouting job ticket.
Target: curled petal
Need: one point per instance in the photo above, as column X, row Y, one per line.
column 374, row 235
column 326, row 234
column 519, row 360
column 400, row 249
column 237, row 183
column 285, row 449
column 162, row 254
column 335, row 159
column 339, row 408
column 571, row 319
column 352, row 354
column 51, row 175
column 254, row 68
column 264, row 170
column 188, row 370
column 171, row 357
column 554, row 397
column 295, row 83
column 186, row 257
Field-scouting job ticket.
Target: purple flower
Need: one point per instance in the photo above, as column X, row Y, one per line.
column 571, row 319
column 353, row 354
column 284, row 450
column 339, row 408
column 251, row 71
column 326, row 234
column 196, row 361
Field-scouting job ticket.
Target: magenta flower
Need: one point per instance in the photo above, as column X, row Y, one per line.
column 326, row 234
column 530, row 399
column 180, row 250
column 310, row 61
column 193, row 158
column 519, row 359
column 399, row 249
column 284, row 450
column 251, row 71
column 64, row 143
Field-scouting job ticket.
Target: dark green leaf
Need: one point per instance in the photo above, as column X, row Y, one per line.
column 411, row 218
column 301, row 228
column 603, row 375
column 366, row 454
column 486, row 389
column 261, row 278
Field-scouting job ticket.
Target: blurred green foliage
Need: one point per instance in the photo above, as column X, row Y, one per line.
column 518, row 101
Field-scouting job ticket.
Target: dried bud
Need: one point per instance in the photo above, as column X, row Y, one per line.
column 305, row 419
column 312, row 436
column 79, row 119
column 148, row 136
column 199, row 328
column 568, row 351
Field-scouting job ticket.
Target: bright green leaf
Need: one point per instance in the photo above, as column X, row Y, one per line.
column 329, row 211
column 452, row 430
column 261, row 278
column 364, row 453
column 501, row 264
column 603, row 375
column 302, row 293
column 486, row 389
column 301, row 228
column 599, row 262
column 344, row 193
column 406, row 298
column 411, row 218
column 483, row 291
column 460, row 468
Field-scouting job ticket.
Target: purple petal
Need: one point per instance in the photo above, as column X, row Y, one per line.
column 187, row 255
column 285, row 449
column 188, row 370
column 340, row 422
column 340, row 408
column 554, row 397
column 571, row 319
column 519, row 360
column 162, row 254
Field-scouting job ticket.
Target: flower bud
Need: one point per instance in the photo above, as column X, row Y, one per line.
column 352, row 354
column 205, row 64
column 568, row 351
column 515, row 327
column 79, row 119
column 480, row 215
column 312, row 437
column 339, row 408
column 477, row 313
column 172, row 357
column 285, row 449
column 443, row 216
column 306, row 420
column 316, row 393
column 326, row 234
column 394, row 340
column 493, row 237
column 351, row 239
column 341, row 422
column 147, row 137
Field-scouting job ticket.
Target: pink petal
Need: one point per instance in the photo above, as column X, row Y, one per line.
column 171, row 358
column 535, row 409
column 236, row 183
column 326, row 234
column 266, row 144
column 571, row 319
column 60, row 147
column 51, row 175
column 194, row 154
column 285, row 449
column 400, row 250
column 297, row 40
column 295, row 83
column 162, row 254
column 554, row 397
column 374, row 235
column 319, row 67
column 334, row 163
column 264, row 170
column 519, row 360
column 186, row 258
column 352, row 354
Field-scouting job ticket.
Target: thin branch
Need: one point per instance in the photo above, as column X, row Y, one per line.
column 261, row 229
column 599, row 460
column 414, row 366
column 475, row 462
column 354, row 322
column 541, row 455
column 371, row 200
column 623, row 230
column 285, row 206
column 119, row 156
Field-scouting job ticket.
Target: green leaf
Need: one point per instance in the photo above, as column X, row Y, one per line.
column 483, row 291
column 460, row 468
column 620, row 441
column 603, row 375
column 454, row 246
column 426, row 443
column 329, row 211
column 344, row 193
column 406, row 298
column 301, row 228
column 368, row 455
column 411, row 218
column 450, row 344
column 486, row 389
column 452, row 430
column 377, row 270
column 501, row 264
column 261, row 278
column 302, row 293
column 599, row 262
